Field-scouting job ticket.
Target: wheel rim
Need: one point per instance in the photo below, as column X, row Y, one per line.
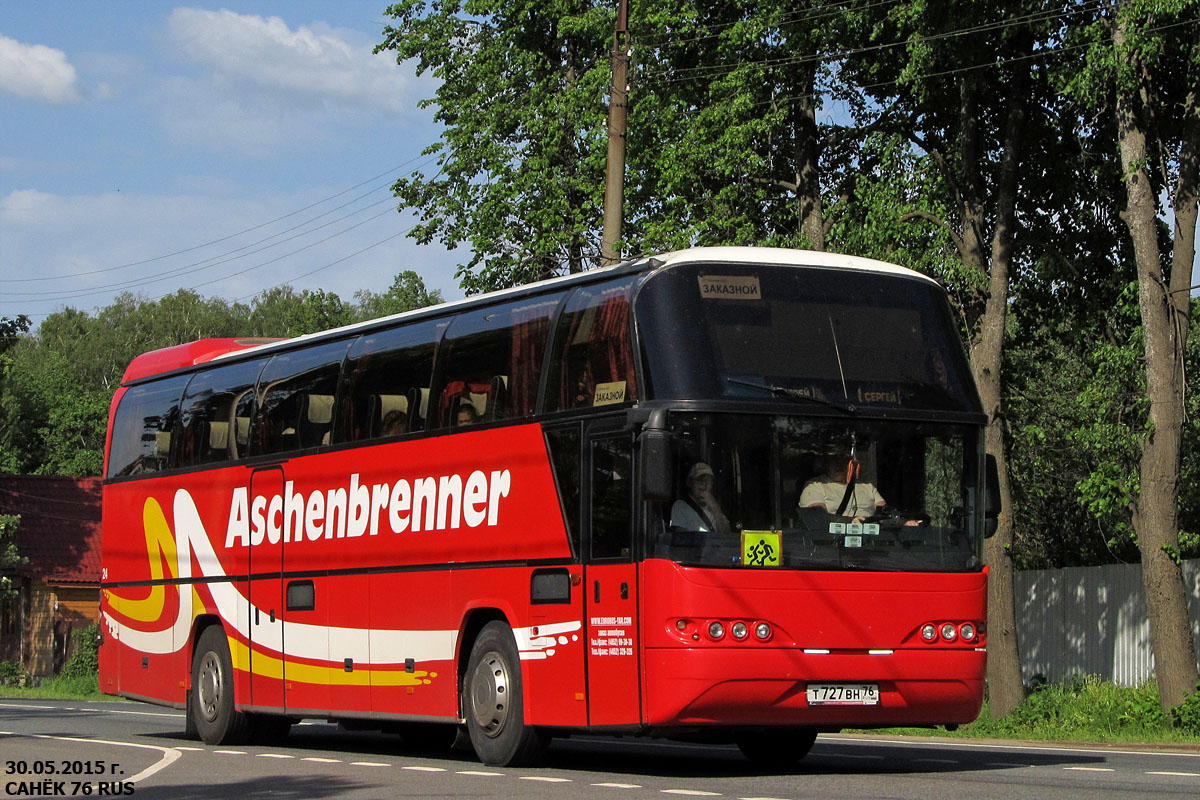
column 489, row 694
column 209, row 685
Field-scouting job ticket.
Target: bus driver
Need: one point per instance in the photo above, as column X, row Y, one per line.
column 838, row 490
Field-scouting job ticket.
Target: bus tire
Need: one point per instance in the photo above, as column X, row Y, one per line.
column 217, row 720
column 494, row 702
column 776, row 749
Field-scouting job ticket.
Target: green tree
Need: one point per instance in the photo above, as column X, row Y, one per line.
column 10, row 559
column 521, row 98
column 406, row 293
column 282, row 311
column 1143, row 69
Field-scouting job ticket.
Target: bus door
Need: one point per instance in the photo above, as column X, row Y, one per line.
column 266, row 595
column 611, row 582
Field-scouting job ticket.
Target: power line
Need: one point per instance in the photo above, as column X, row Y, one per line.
column 228, row 237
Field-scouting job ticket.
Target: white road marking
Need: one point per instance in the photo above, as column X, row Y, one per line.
column 324, row 760
column 425, row 769
column 274, row 755
column 1177, row 774
column 480, row 773
column 231, row 752
column 368, row 764
column 544, row 779
column 691, row 792
column 1091, row 769
column 619, row 785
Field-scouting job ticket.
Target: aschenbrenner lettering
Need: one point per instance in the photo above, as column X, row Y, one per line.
column 433, row 503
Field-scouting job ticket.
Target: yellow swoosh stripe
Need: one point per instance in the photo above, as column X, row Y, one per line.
column 160, row 546
column 272, row 667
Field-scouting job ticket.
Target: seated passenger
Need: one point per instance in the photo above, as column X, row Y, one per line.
column 699, row 510
column 465, row 415
column 394, row 423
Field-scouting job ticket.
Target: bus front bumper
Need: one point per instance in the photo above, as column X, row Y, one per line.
column 763, row 686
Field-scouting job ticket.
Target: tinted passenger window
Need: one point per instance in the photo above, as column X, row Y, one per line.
column 387, row 381
column 593, row 350
column 297, row 391
column 612, row 482
column 491, row 360
column 216, row 414
column 143, row 428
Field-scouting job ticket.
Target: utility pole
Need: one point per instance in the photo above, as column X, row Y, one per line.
column 614, row 178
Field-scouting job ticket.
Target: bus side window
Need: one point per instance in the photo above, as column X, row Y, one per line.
column 209, row 429
column 146, row 421
column 297, row 391
column 592, row 362
column 385, row 386
column 493, row 359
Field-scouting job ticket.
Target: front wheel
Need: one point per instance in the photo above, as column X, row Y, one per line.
column 776, row 749
column 494, row 702
column 216, row 719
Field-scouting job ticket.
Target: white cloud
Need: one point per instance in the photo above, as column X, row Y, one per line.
column 37, row 72
column 319, row 64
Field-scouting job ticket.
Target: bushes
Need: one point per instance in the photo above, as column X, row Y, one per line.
column 13, row 674
column 80, row 675
column 1186, row 715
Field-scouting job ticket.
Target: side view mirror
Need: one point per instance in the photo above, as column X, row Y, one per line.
column 655, row 453
column 991, row 503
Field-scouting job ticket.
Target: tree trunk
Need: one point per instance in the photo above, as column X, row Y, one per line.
column 1155, row 513
column 1006, row 689
column 808, row 169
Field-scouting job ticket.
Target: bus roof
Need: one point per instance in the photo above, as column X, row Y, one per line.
column 186, row 355
column 168, row 359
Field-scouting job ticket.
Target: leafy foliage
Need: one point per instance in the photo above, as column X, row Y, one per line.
column 58, row 383
column 9, row 557
column 84, row 662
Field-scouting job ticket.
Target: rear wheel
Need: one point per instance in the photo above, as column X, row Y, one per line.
column 494, row 701
column 213, row 712
column 776, row 749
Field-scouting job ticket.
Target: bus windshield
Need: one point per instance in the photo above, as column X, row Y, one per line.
column 846, row 338
column 821, row 493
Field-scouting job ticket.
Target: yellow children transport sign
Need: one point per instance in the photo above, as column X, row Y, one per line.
column 761, row 548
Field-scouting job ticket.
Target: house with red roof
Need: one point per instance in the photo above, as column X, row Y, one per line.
column 58, row 588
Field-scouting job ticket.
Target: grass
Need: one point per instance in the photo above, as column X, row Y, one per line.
column 1086, row 709
column 78, row 688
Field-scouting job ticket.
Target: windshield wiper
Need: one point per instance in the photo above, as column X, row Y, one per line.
column 795, row 395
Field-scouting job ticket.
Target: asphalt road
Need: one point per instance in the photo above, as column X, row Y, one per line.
column 69, row 748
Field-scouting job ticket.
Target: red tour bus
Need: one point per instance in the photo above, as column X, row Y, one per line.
column 646, row 500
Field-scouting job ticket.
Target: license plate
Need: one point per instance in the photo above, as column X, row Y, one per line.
column 843, row 694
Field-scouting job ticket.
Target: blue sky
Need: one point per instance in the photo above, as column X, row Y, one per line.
column 130, row 132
